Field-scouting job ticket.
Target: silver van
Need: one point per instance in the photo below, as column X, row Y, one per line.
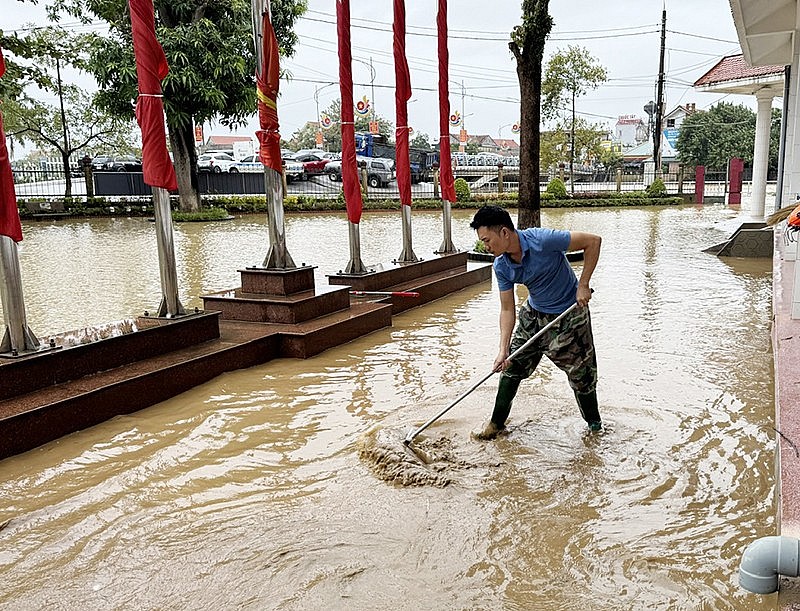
column 380, row 170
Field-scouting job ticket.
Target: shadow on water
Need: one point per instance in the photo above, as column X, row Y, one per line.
column 248, row 492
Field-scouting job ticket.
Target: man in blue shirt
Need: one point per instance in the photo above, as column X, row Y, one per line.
column 536, row 257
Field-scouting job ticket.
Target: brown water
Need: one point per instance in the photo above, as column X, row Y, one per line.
column 248, row 492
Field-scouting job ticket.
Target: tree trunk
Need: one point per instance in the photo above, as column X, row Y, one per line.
column 67, row 174
column 530, row 85
column 185, row 161
column 527, row 45
column 572, row 148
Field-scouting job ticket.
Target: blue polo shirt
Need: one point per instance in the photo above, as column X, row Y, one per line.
column 544, row 269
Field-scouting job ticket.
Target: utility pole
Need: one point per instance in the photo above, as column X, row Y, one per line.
column 660, row 97
column 463, row 145
column 372, row 86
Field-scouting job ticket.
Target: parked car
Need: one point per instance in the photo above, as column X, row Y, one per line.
column 251, row 163
column 124, row 163
column 313, row 164
column 215, row 162
column 99, row 162
column 291, row 168
column 380, row 170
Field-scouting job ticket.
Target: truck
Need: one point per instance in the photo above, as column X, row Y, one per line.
column 377, row 145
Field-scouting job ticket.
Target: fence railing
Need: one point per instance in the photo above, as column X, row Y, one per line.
column 481, row 180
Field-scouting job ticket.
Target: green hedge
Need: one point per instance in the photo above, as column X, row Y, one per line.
column 218, row 207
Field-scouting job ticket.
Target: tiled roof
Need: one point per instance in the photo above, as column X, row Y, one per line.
column 504, row 143
column 227, row 139
column 734, row 68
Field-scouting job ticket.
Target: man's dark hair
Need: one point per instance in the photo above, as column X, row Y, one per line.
column 492, row 217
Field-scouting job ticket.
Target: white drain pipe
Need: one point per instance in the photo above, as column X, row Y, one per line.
column 765, row 560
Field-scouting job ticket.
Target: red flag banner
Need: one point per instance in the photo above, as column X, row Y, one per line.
column 351, row 185
column 267, row 83
column 9, row 213
column 151, row 68
column 401, row 96
column 445, row 162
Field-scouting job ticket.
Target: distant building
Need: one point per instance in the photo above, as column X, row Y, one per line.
column 630, row 130
column 484, row 143
column 224, row 143
column 507, row 147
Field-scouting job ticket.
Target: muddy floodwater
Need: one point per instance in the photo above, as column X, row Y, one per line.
column 248, row 492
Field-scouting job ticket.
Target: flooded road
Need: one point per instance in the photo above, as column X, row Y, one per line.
column 248, row 493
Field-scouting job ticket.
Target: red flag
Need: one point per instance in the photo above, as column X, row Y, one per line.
column 352, row 187
column 9, row 213
column 151, row 68
column 401, row 96
column 445, row 163
column 268, row 81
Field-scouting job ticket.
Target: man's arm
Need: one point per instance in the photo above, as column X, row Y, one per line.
column 590, row 245
column 508, row 316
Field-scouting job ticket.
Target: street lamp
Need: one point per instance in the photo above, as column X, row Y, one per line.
column 462, row 145
column 371, row 80
column 319, row 121
column 500, row 130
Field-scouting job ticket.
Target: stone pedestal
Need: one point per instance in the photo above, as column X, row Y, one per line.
column 432, row 279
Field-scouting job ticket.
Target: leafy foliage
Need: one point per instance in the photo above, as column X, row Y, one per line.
column 556, row 188
column 569, row 75
column 463, row 193
column 656, row 188
column 72, row 123
column 210, row 50
column 555, row 143
column 421, row 141
column 726, row 130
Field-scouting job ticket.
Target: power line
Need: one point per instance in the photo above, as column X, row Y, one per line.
column 504, row 38
column 499, row 33
column 731, row 42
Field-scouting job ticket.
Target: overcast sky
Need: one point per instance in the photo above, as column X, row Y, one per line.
column 622, row 35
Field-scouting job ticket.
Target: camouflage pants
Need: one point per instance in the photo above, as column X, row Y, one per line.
column 569, row 344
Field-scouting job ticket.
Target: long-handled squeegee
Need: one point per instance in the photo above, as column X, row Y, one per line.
column 413, row 433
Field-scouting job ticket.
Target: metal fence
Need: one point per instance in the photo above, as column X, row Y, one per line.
column 130, row 186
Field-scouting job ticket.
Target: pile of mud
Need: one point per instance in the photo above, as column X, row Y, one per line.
column 426, row 463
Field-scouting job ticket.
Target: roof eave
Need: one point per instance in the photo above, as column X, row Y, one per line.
column 761, row 28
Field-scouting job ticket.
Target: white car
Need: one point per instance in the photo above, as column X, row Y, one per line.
column 294, row 170
column 216, row 162
column 251, row 163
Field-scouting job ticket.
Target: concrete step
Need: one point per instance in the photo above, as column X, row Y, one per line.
column 289, row 309
column 434, row 286
column 34, row 418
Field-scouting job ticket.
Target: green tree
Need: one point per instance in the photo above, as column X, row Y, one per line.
column 569, row 75
column 70, row 125
column 210, row 50
column 305, row 137
column 421, row 141
column 527, row 46
column 556, row 144
column 712, row 137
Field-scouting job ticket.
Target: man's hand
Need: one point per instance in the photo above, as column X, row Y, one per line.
column 501, row 362
column 583, row 295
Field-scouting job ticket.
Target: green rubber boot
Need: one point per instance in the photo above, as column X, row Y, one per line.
column 587, row 402
column 506, row 391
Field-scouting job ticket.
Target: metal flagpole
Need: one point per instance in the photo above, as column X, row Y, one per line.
column 170, row 303
column 352, row 188
column 445, row 162
column 18, row 337
column 278, row 256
